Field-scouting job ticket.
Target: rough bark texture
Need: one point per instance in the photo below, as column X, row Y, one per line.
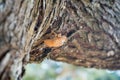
column 17, row 21
column 91, row 26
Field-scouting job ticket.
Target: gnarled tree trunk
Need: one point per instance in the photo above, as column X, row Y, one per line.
column 17, row 21
column 92, row 28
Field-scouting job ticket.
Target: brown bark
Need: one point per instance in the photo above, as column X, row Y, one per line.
column 93, row 31
column 91, row 26
column 17, row 21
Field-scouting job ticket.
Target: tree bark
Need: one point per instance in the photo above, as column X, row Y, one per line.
column 17, row 21
column 92, row 28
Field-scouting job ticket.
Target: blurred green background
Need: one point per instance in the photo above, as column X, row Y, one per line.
column 51, row 70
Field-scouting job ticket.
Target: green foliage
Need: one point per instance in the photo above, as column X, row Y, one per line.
column 50, row 70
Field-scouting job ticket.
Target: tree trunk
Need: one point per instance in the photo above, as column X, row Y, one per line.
column 17, row 21
column 92, row 28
